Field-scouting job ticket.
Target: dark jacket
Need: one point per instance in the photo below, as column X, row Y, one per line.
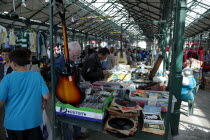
column 9, row 70
column 92, row 70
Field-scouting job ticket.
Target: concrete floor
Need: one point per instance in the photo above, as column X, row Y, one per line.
column 195, row 127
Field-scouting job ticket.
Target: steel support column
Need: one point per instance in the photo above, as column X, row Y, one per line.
column 86, row 39
column 177, row 60
column 73, row 35
column 208, row 40
column 56, row 34
column 200, row 39
column 52, row 70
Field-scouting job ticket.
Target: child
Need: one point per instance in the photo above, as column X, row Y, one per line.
column 21, row 94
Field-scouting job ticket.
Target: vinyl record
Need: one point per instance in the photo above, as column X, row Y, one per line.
column 125, row 103
column 121, row 123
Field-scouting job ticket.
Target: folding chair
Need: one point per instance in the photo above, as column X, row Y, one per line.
column 190, row 102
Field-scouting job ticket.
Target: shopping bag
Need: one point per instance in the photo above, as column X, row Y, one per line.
column 46, row 127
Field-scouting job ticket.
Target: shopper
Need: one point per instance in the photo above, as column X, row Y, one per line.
column 30, row 66
column 188, row 83
column 129, row 57
column 134, row 55
column 207, row 56
column 21, row 94
column 5, row 68
column 74, row 53
column 111, row 58
column 92, row 70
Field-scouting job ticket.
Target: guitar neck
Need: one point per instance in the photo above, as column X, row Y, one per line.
column 65, row 41
column 121, row 53
column 66, row 50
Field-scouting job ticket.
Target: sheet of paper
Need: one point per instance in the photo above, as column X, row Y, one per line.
column 152, row 100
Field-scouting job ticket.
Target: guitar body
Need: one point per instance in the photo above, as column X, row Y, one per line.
column 68, row 91
column 121, row 59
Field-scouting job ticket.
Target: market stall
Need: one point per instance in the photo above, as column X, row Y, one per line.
column 119, row 106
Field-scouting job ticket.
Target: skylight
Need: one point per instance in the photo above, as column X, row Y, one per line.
column 116, row 10
column 196, row 9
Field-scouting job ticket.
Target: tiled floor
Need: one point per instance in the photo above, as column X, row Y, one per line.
column 195, row 127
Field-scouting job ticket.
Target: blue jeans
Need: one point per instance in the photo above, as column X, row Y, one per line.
column 70, row 130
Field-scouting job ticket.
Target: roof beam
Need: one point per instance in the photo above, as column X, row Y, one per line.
column 15, row 8
column 147, row 3
column 143, row 9
column 100, row 25
column 3, row 1
column 88, row 20
column 38, row 11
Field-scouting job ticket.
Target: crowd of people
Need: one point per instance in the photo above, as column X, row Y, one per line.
column 19, row 78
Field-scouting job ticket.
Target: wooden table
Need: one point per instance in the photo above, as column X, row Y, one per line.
column 96, row 126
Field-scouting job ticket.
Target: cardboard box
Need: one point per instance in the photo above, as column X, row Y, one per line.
column 206, row 79
column 85, row 113
column 207, row 83
column 161, row 102
column 206, row 74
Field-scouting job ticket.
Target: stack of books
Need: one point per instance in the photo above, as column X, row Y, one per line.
column 153, row 122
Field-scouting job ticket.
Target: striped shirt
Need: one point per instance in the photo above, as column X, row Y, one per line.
column 23, row 40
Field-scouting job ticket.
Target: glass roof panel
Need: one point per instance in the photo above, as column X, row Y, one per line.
column 117, row 11
column 196, row 9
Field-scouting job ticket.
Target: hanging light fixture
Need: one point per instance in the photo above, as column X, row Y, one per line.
column 23, row 4
column 14, row 15
column 72, row 19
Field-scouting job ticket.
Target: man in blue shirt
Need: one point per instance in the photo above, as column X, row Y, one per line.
column 74, row 53
column 21, row 95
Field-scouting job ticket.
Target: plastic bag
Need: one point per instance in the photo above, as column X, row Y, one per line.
column 46, row 127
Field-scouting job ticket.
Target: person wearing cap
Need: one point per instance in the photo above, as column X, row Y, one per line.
column 74, row 53
column 188, row 83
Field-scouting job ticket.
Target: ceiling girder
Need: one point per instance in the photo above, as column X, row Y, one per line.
column 87, row 21
column 143, row 9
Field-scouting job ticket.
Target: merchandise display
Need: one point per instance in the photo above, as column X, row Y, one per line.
column 142, row 98
column 153, row 122
column 125, row 68
column 121, row 127
column 122, row 103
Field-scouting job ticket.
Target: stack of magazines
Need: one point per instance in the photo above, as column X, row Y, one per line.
column 153, row 122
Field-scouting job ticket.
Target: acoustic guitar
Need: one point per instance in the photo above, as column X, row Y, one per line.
column 68, row 87
column 121, row 56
